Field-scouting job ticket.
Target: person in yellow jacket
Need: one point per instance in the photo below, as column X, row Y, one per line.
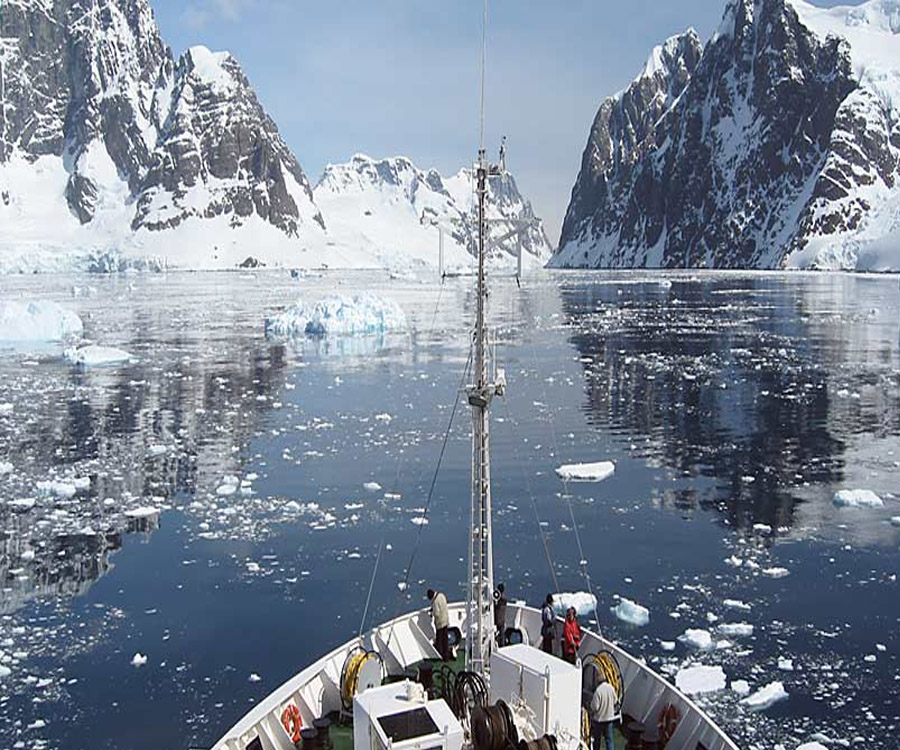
column 441, row 618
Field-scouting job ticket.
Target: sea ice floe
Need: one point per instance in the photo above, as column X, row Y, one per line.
column 144, row 511
column 776, row 572
column 740, row 688
column 584, row 602
column 138, row 660
column 697, row 638
column 372, row 487
column 37, row 321
column 736, row 604
column 700, row 679
column 631, row 612
column 590, row 472
column 736, row 629
column 766, row 697
column 812, row 746
column 5, row 468
column 785, row 664
column 95, row 355
column 857, row 499
column 339, row 315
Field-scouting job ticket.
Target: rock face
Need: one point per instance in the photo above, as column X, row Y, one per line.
column 776, row 144
column 393, row 207
column 143, row 142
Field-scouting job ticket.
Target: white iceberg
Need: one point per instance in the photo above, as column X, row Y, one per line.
column 857, row 499
column 632, row 613
column 584, row 602
column 593, row 472
column 740, row 688
column 95, row 355
column 766, row 697
column 697, row 639
column 699, row 679
column 138, row 660
column 339, row 315
column 37, row 321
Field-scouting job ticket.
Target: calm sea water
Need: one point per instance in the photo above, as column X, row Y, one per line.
column 734, row 407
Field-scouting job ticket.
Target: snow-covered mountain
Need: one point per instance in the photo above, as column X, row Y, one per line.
column 391, row 209
column 776, row 144
column 111, row 147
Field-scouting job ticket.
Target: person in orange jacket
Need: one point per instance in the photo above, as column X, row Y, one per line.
column 571, row 639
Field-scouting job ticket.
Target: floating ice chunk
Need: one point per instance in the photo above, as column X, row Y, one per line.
column 37, row 321
column 870, row 658
column 386, row 418
column 776, row 572
column 95, row 355
column 138, row 660
column 699, row 679
column 372, row 487
column 736, row 629
column 785, row 664
column 254, row 677
column 736, row 604
column 419, row 520
column 766, row 697
column 228, row 487
column 5, row 468
column 895, row 521
column 594, row 472
column 585, row 603
column 339, row 315
column 57, row 488
column 857, row 499
column 734, row 562
column 812, row 746
column 667, row 645
column 740, row 688
column 145, row 511
column 22, row 505
column 632, row 612
column 762, row 528
column 697, row 638
column 4, row 671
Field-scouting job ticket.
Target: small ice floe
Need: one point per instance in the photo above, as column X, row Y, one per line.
column 698, row 639
column 419, row 520
column 785, row 664
column 95, row 355
column 766, row 697
column 895, row 521
column 37, row 321
column 144, row 511
column 734, row 561
column 254, row 677
column 339, row 315
column 59, row 488
column 857, row 499
column 698, row 680
column 762, row 528
column 228, row 486
column 776, row 572
column 385, row 417
column 372, row 487
column 6, row 468
column 36, row 724
column 593, row 472
column 736, row 629
column 870, row 658
column 584, row 602
column 667, row 645
column 138, row 660
column 21, row 505
column 631, row 612
column 736, row 604
column 812, row 746
column 740, row 688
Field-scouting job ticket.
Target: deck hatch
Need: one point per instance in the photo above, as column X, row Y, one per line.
column 408, row 725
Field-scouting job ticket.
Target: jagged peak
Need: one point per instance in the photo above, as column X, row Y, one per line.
column 215, row 69
column 669, row 52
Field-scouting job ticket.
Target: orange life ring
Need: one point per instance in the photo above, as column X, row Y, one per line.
column 292, row 722
column 667, row 724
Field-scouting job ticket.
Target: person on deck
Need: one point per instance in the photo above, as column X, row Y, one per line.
column 548, row 625
column 441, row 618
column 500, row 615
column 571, row 636
column 603, row 714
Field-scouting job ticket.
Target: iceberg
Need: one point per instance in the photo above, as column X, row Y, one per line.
column 37, row 321
column 632, row 613
column 857, row 499
column 94, row 355
column 339, row 315
column 766, row 697
column 699, row 679
column 696, row 638
column 595, row 472
column 583, row 602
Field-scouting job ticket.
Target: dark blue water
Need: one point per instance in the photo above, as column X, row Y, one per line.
column 734, row 406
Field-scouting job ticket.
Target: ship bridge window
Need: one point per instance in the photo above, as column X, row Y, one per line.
column 408, row 725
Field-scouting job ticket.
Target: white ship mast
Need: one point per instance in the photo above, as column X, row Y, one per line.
column 479, row 595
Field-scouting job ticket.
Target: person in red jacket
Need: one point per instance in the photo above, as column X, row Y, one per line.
column 571, row 636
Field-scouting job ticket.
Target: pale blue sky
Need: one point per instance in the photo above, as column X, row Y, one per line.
column 389, row 77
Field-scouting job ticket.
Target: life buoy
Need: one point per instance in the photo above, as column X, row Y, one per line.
column 667, row 724
column 292, row 722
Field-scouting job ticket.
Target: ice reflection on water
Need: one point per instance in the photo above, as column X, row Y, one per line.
column 734, row 406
